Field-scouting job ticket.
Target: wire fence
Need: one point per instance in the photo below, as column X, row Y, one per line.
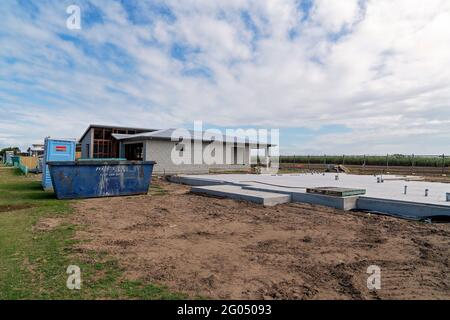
column 432, row 161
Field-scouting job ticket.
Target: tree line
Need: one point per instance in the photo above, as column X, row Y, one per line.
column 387, row 160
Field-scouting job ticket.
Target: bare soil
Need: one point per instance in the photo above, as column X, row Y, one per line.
column 226, row 249
column 14, row 207
column 46, row 224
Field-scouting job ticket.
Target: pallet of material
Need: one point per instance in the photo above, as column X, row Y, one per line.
column 337, row 192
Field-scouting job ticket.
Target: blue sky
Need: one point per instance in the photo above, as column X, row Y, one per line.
column 353, row 76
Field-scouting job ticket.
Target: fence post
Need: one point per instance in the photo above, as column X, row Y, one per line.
column 443, row 163
column 343, row 159
column 387, row 161
column 309, row 162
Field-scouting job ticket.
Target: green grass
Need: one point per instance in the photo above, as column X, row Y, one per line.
column 33, row 263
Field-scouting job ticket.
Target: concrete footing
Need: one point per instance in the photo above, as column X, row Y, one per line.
column 194, row 181
column 402, row 208
column 343, row 203
column 235, row 192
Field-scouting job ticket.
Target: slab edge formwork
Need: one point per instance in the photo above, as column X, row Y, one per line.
column 400, row 208
column 192, row 181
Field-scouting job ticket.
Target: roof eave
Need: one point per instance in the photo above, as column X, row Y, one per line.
column 144, row 138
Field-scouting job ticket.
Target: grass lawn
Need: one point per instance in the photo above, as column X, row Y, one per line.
column 33, row 261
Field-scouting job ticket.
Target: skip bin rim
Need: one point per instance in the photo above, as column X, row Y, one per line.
column 99, row 162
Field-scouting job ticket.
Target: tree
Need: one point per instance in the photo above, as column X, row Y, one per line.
column 15, row 149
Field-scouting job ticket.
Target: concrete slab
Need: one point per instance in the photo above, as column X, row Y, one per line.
column 235, row 192
column 280, row 190
column 343, row 203
column 337, row 191
column 390, row 189
column 405, row 209
column 388, row 197
column 300, row 195
column 193, row 181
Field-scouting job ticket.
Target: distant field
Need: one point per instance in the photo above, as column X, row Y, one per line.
column 391, row 160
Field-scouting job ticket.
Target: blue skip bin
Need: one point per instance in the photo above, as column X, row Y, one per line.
column 97, row 178
column 56, row 150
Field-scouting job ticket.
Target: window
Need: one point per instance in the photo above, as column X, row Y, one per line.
column 134, row 151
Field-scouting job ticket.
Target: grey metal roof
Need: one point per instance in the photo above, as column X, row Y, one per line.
column 167, row 134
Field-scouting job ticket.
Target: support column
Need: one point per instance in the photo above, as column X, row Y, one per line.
column 267, row 153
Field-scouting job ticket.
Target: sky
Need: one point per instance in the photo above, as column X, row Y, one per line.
column 335, row 77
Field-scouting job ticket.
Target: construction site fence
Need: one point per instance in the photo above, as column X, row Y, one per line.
column 436, row 161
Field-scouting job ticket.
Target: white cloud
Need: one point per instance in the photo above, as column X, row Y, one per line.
column 334, row 15
column 381, row 68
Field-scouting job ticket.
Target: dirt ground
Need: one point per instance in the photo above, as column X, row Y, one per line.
column 226, row 249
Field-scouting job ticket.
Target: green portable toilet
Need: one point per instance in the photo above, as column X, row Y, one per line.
column 15, row 161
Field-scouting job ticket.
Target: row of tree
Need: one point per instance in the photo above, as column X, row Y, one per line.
column 387, row 160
